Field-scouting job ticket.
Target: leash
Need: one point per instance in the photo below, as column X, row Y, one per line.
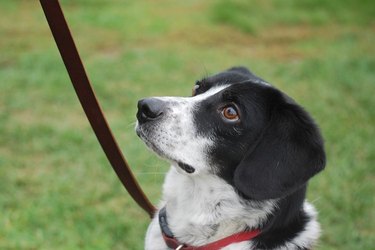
column 90, row 104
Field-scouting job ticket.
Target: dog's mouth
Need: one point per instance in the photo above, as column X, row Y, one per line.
column 151, row 145
column 186, row 167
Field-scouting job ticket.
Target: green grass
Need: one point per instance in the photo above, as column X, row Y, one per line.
column 57, row 188
column 255, row 16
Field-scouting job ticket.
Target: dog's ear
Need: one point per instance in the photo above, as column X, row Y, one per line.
column 247, row 73
column 242, row 70
column 288, row 153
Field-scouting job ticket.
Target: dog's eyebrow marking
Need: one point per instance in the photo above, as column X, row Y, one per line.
column 212, row 91
column 191, row 99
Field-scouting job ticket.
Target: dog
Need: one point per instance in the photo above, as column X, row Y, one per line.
column 242, row 153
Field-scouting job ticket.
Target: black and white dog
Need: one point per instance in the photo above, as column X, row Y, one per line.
column 242, row 153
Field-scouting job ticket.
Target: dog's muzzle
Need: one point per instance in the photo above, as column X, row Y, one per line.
column 150, row 109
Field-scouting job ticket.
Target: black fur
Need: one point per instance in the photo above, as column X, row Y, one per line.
column 285, row 223
column 271, row 153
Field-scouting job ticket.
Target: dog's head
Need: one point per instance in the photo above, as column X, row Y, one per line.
column 238, row 127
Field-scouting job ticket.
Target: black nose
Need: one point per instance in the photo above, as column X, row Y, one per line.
column 150, row 109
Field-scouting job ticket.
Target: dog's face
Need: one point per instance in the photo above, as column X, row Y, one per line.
column 238, row 127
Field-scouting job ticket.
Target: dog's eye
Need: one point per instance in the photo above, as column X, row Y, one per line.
column 230, row 113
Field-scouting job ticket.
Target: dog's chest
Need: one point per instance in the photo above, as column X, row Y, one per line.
column 204, row 209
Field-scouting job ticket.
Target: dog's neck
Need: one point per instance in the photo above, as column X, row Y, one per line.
column 203, row 209
column 293, row 223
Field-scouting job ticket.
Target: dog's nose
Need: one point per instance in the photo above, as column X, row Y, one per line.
column 150, row 109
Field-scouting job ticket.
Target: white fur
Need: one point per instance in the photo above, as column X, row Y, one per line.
column 195, row 219
column 175, row 137
column 208, row 208
column 194, row 215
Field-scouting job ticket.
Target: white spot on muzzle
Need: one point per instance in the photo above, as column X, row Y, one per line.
column 175, row 135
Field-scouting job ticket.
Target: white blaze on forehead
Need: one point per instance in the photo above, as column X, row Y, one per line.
column 176, row 135
column 212, row 91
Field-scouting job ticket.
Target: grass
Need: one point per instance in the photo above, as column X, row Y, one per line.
column 254, row 16
column 58, row 190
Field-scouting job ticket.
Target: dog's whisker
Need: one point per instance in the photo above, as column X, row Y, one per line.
column 206, row 74
column 315, row 200
column 131, row 124
column 149, row 173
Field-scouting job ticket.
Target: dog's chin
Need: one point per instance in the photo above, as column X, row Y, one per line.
column 153, row 147
column 150, row 144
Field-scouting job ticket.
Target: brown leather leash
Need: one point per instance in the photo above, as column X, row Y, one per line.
column 90, row 105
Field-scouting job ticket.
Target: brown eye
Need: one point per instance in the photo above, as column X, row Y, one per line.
column 230, row 113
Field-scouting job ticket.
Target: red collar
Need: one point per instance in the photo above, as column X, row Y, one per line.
column 173, row 243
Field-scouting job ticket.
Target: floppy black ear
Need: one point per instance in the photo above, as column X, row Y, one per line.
column 289, row 152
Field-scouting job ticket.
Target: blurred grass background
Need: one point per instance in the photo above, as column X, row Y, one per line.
column 57, row 190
